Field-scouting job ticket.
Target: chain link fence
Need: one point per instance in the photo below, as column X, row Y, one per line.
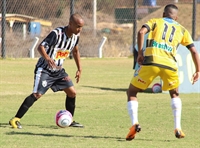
column 110, row 19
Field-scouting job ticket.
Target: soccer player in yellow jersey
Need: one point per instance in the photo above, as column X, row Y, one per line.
column 165, row 34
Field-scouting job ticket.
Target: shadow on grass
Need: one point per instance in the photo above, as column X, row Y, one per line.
column 120, row 139
column 57, row 135
column 148, row 90
column 106, row 88
column 4, row 125
column 36, row 134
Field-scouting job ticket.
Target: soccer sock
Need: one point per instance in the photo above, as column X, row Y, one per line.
column 28, row 102
column 176, row 105
column 70, row 104
column 132, row 107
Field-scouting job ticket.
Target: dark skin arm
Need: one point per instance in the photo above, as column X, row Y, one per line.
column 76, row 56
column 43, row 53
column 140, row 38
column 196, row 60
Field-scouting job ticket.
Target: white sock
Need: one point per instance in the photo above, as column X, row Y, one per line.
column 176, row 105
column 132, row 107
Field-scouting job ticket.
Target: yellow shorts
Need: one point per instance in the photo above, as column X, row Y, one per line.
column 146, row 74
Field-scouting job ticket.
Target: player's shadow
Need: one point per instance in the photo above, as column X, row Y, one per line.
column 106, row 88
column 120, row 139
column 148, row 90
column 59, row 135
column 36, row 134
column 3, row 125
column 20, row 132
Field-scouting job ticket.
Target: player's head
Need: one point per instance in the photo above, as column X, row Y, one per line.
column 76, row 23
column 171, row 11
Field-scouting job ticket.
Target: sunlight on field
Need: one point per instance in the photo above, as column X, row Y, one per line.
column 101, row 108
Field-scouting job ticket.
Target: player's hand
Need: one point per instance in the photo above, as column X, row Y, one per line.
column 51, row 63
column 195, row 77
column 140, row 59
column 78, row 76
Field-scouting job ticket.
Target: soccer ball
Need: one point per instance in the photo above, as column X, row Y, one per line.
column 156, row 88
column 63, row 118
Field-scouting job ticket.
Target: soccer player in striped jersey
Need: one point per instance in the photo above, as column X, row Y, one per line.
column 49, row 71
column 165, row 34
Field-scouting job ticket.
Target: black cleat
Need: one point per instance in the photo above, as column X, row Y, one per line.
column 75, row 124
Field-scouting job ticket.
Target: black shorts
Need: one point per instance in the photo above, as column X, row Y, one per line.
column 44, row 79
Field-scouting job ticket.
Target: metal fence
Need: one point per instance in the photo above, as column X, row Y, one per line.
column 23, row 22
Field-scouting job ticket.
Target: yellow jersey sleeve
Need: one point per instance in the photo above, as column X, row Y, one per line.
column 187, row 39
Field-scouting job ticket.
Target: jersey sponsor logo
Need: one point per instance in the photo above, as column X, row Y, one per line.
column 62, row 54
column 172, row 83
column 141, row 81
column 162, row 46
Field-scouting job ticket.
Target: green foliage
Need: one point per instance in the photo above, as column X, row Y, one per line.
column 101, row 107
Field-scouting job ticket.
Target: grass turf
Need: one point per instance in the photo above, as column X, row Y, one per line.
column 100, row 107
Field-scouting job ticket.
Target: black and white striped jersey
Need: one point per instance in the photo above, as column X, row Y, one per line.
column 58, row 46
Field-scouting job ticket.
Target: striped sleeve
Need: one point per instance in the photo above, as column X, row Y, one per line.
column 49, row 40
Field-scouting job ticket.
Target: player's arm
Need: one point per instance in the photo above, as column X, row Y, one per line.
column 140, row 38
column 76, row 55
column 42, row 52
column 188, row 42
column 46, row 43
column 196, row 60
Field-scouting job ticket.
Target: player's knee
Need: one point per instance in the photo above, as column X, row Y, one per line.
column 72, row 94
column 174, row 93
column 37, row 95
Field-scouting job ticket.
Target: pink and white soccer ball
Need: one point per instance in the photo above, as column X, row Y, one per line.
column 156, row 88
column 63, row 118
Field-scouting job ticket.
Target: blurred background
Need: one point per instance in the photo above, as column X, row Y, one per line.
column 24, row 23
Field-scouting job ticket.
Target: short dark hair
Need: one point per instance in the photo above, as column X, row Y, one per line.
column 170, row 6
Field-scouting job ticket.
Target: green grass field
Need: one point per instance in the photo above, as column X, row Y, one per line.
column 101, row 107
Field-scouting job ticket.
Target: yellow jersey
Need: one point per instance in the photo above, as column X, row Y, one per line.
column 163, row 39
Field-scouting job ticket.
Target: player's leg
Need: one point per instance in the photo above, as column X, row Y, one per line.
column 38, row 90
column 171, row 83
column 70, row 99
column 132, row 107
column 176, row 105
column 67, row 86
column 139, row 82
column 70, row 104
column 28, row 102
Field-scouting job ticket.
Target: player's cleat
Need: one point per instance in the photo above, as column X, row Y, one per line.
column 14, row 122
column 133, row 130
column 76, row 124
column 179, row 133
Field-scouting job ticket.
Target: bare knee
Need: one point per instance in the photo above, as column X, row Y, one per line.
column 37, row 95
column 70, row 92
column 174, row 93
column 132, row 93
